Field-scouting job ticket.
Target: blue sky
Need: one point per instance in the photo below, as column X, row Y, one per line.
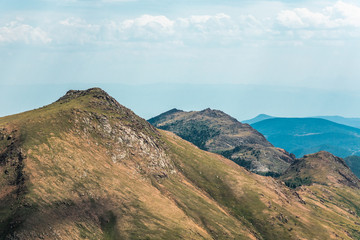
column 282, row 53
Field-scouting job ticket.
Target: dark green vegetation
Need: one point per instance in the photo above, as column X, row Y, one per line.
column 86, row 167
column 308, row 135
column 193, row 131
column 215, row 131
column 297, row 182
column 354, row 163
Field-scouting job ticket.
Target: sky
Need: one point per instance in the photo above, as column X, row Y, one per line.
column 283, row 58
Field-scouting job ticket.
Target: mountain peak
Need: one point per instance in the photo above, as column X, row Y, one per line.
column 322, row 168
column 263, row 115
column 258, row 118
column 73, row 94
column 94, row 98
column 214, row 113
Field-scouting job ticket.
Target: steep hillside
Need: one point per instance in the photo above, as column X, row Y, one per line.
column 308, row 135
column 215, row 131
column 354, row 163
column 86, row 167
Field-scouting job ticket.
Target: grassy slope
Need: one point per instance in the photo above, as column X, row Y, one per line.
column 73, row 189
column 268, row 208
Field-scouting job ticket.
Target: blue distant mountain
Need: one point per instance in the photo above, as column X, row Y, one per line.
column 308, row 135
column 258, row 118
column 352, row 122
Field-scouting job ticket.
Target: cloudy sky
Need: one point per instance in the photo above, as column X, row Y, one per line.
column 288, row 58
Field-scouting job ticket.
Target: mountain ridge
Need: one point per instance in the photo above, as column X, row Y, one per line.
column 348, row 121
column 322, row 168
column 86, row 169
column 218, row 132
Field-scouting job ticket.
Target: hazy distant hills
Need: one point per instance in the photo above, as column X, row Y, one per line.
column 308, row 135
column 258, row 118
column 352, row 122
column 86, row 167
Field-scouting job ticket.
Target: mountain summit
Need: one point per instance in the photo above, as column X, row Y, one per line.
column 322, row 168
column 216, row 131
column 86, row 167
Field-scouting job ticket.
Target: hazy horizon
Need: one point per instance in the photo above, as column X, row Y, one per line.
column 240, row 101
column 284, row 58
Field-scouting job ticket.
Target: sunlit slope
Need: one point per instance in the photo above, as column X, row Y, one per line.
column 86, row 167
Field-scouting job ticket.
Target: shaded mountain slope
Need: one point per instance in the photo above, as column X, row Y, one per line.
column 307, row 135
column 86, row 167
column 354, row 163
column 215, row 131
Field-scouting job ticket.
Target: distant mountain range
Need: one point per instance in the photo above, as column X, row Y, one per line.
column 352, row 122
column 308, row 135
column 258, row 118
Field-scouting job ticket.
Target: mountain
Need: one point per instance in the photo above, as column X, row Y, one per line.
column 258, row 118
column 86, row 167
column 215, row 131
column 352, row 122
column 307, row 135
column 354, row 163
column 321, row 168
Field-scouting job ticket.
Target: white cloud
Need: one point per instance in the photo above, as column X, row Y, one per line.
column 338, row 15
column 15, row 32
column 338, row 21
column 146, row 27
column 207, row 28
column 75, row 30
column 161, row 23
